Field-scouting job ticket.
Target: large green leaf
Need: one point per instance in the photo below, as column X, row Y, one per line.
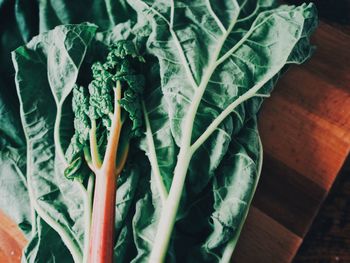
column 224, row 61
column 49, row 66
column 229, row 195
column 20, row 20
column 158, row 132
column 217, row 61
column 58, row 201
column 45, row 246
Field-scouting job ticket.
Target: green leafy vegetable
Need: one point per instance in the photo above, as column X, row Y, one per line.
column 176, row 131
column 220, row 68
column 107, row 116
column 56, row 200
column 95, row 106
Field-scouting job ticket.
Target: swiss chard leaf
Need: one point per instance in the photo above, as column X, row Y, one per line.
column 158, row 132
column 58, row 201
column 218, row 225
column 40, row 250
column 215, row 69
column 225, row 66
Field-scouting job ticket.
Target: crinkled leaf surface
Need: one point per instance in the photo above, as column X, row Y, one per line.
column 225, row 61
column 45, row 246
column 56, row 199
column 61, row 53
column 230, row 194
column 156, row 108
column 189, row 40
column 21, row 20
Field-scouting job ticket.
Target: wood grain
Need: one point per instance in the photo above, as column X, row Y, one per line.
column 12, row 240
column 265, row 240
column 328, row 240
column 305, row 130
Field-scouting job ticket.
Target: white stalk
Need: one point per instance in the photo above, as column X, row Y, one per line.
column 163, row 193
column 95, row 156
column 57, row 138
column 88, row 194
column 216, row 122
column 169, row 211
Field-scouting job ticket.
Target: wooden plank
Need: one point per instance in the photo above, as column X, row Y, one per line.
column 306, row 122
column 12, row 240
column 331, row 58
column 265, row 240
column 308, row 142
column 295, row 207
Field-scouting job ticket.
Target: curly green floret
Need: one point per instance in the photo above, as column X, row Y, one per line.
column 80, row 106
column 95, row 107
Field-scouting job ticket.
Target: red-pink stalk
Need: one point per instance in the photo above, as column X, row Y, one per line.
column 103, row 212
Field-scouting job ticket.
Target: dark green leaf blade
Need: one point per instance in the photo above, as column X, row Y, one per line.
column 226, row 69
column 58, row 201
